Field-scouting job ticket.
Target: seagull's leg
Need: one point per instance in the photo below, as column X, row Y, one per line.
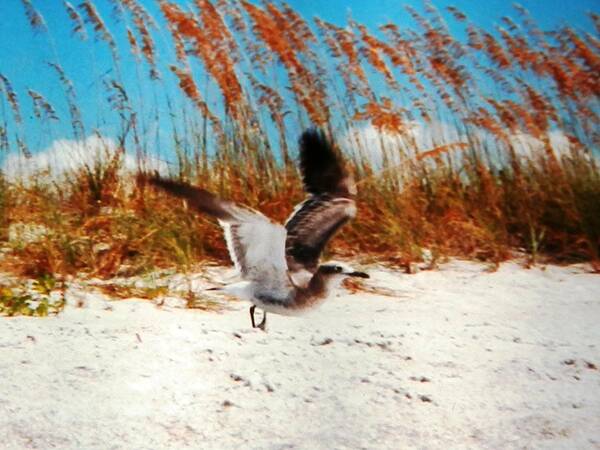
column 263, row 324
column 252, row 308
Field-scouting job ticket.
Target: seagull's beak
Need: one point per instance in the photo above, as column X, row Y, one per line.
column 359, row 274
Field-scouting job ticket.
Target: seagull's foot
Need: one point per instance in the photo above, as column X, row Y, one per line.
column 263, row 324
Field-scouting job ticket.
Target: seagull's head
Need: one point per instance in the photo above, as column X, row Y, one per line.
column 340, row 270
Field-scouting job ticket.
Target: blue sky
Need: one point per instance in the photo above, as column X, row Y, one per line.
column 23, row 53
column 483, row 12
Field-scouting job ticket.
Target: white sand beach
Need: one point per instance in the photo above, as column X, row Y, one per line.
column 458, row 357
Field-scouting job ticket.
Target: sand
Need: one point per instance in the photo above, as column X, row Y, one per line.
column 459, row 357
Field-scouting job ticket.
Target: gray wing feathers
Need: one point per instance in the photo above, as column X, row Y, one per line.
column 330, row 203
column 256, row 245
column 262, row 250
column 312, row 225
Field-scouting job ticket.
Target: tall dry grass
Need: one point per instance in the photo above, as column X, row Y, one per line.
column 464, row 161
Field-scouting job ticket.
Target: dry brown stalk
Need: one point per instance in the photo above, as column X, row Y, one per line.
column 286, row 27
column 299, row 27
column 137, row 10
column 475, row 40
column 71, row 95
column 4, row 143
column 133, row 45
column 216, row 29
column 93, row 18
column 11, row 97
column 148, row 48
column 187, row 84
column 78, row 26
column 302, row 80
column 372, row 49
column 496, row 52
column 458, row 15
column 383, row 116
column 342, row 43
column 436, row 152
column 274, row 103
column 41, row 106
column 36, row 20
column 216, row 61
column 402, row 54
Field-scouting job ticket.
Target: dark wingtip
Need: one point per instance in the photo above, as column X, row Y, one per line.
column 313, row 137
column 173, row 187
column 196, row 197
column 144, row 178
column 321, row 164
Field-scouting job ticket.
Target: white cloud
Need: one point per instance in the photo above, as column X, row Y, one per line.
column 373, row 145
column 527, row 145
column 66, row 156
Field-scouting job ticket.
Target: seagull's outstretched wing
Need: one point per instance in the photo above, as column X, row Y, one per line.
column 330, row 203
column 256, row 245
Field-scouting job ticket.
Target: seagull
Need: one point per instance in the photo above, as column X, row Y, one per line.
column 279, row 264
